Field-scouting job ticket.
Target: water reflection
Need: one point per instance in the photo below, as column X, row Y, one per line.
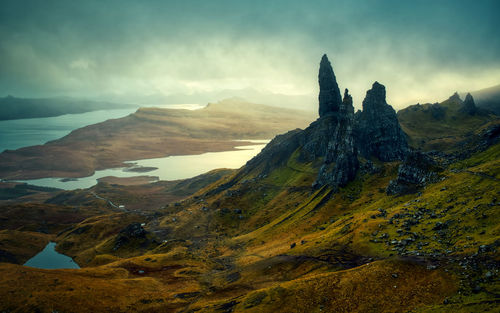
column 168, row 168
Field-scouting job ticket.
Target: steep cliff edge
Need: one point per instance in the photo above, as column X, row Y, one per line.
column 332, row 142
column 377, row 128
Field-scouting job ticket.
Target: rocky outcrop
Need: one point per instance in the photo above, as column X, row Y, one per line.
column 329, row 93
column 469, row 106
column 378, row 132
column 133, row 232
column 334, row 138
column 276, row 152
column 417, row 170
column 341, row 161
column 455, row 98
column 434, row 110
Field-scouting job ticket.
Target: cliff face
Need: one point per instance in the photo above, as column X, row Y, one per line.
column 377, row 128
column 329, row 93
column 341, row 162
column 336, row 136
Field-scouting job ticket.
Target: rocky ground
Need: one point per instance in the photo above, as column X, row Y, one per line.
column 320, row 221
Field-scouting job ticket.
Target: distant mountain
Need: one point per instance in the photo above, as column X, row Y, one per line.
column 12, row 108
column 151, row 133
column 341, row 216
column 488, row 98
column 298, row 102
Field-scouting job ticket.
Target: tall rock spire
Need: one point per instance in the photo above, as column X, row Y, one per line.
column 341, row 162
column 468, row 106
column 378, row 132
column 329, row 93
column 338, row 136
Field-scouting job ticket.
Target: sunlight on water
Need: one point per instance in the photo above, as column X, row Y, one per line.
column 168, row 168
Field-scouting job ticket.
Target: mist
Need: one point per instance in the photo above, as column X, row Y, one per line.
column 125, row 50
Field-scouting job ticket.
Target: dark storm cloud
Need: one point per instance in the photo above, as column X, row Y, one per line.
column 422, row 50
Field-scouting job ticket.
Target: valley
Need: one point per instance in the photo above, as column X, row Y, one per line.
column 149, row 133
column 374, row 211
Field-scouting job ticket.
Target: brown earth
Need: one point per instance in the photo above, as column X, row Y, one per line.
column 150, row 133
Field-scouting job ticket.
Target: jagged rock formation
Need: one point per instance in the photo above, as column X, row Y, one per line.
column 377, row 128
column 455, row 98
column 332, row 140
column 468, row 106
column 329, row 93
column 329, row 138
column 132, row 232
column 417, row 170
column 341, row 162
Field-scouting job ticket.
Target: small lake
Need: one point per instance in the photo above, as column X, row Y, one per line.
column 15, row 134
column 168, row 168
column 49, row 258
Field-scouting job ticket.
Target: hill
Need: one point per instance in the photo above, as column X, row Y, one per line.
column 443, row 126
column 12, row 108
column 150, row 133
column 322, row 220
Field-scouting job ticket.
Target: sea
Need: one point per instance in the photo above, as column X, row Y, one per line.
column 20, row 133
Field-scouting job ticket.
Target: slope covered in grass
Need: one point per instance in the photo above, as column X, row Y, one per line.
column 268, row 242
column 441, row 126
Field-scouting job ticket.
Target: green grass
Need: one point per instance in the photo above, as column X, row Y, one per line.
column 427, row 133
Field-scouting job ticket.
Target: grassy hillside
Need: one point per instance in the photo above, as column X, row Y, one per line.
column 441, row 126
column 267, row 243
column 150, row 133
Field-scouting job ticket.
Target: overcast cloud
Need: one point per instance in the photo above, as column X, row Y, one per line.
column 421, row 50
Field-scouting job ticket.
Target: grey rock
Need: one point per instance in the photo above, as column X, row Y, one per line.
column 329, row 93
column 469, row 106
column 335, row 137
column 417, row 170
column 377, row 128
column 341, row 162
column 126, row 235
column 134, row 230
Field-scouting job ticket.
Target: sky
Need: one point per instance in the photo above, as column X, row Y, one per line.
column 421, row 50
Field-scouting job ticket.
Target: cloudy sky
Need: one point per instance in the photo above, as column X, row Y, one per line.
column 421, row 50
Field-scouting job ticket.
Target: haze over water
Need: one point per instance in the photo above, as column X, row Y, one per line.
column 15, row 134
